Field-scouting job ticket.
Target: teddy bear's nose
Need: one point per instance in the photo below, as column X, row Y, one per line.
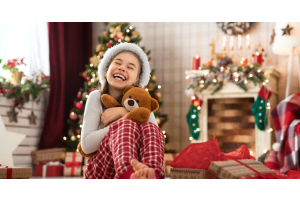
column 130, row 102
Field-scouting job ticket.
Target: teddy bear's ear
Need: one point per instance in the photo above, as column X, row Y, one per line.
column 127, row 88
column 154, row 105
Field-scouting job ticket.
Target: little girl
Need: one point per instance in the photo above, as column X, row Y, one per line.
column 124, row 149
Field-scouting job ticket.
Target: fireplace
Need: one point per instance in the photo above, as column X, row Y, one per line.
column 228, row 113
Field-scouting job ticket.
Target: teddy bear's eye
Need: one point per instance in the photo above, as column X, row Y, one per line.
column 130, row 96
column 137, row 101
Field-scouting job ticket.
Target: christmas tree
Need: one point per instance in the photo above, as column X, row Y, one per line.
column 114, row 34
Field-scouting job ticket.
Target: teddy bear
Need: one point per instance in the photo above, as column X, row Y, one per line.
column 136, row 100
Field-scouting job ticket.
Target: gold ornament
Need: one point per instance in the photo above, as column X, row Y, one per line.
column 80, row 119
column 95, row 61
column 105, row 34
column 98, row 48
column 158, row 120
column 196, row 103
column 151, row 86
column 115, row 32
column 153, row 78
column 127, row 39
column 101, row 53
column 135, row 33
column 158, row 95
column 84, row 95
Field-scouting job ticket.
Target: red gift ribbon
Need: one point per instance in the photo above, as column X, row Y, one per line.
column 73, row 164
column 260, row 175
column 9, row 172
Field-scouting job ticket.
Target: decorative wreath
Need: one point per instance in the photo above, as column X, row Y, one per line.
column 235, row 28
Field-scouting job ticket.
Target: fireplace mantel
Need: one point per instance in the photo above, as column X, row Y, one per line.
column 263, row 139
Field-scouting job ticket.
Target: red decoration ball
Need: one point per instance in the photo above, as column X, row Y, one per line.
column 108, row 44
column 79, row 95
column 116, row 39
column 78, row 132
column 79, row 105
column 73, row 116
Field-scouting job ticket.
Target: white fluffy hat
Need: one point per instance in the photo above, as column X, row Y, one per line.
column 118, row 48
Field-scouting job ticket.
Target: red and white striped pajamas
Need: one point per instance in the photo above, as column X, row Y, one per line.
column 125, row 141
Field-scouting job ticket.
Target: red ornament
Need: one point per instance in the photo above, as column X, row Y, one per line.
column 79, row 96
column 108, row 44
column 79, row 105
column 116, row 39
column 85, row 77
column 73, row 116
column 123, row 33
column 78, row 132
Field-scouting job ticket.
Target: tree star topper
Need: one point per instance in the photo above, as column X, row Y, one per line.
column 287, row 30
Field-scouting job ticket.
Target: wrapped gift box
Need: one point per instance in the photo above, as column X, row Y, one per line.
column 51, row 169
column 73, row 164
column 43, row 156
column 181, row 173
column 15, row 172
column 169, row 157
column 234, row 170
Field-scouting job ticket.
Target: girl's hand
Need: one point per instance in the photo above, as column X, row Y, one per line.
column 112, row 114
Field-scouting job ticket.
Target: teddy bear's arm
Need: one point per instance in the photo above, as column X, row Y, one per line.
column 108, row 101
column 139, row 115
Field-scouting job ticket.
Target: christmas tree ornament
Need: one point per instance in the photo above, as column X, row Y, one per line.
column 73, row 116
column 151, row 86
column 79, row 96
column 73, row 138
column 115, row 31
column 78, row 132
column 108, row 44
column 157, row 95
column 153, row 78
column 79, row 105
column 70, row 133
column 127, row 39
column 98, row 48
column 259, row 108
column 158, row 120
column 101, row 53
column 13, row 115
column 135, row 33
column 84, row 95
column 287, row 30
column 85, row 76
column 32, row 118
column 9, row 141
column 105, row 34
column 193, row 117
column 95, row 61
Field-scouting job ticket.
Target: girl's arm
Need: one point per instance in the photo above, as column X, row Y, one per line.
column 91, row 137
column 152, row 119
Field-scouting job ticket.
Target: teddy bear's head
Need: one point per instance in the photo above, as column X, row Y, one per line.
column 135, row 97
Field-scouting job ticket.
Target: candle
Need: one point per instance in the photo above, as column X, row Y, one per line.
column 224, row 43
column 239, row 42
column 231, row 43
column 248, row 41
column 258, row 58
column 196, row 62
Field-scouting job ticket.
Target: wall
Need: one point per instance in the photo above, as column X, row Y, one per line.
column 172, row 47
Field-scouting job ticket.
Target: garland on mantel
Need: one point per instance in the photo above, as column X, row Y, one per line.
column 220, row 75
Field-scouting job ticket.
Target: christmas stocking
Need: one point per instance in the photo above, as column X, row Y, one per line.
column 193, row 118
column 259, row 108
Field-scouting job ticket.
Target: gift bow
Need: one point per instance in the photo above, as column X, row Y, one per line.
column 9, row 171
column 260, row 175
column 73, row 164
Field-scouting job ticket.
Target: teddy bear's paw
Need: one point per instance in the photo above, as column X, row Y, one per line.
column 139, row 115
column 108, row 101
column 84, row 154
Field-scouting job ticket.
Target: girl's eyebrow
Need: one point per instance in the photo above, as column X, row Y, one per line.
column 129, row 63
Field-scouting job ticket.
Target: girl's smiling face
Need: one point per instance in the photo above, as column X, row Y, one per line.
column 124, row 70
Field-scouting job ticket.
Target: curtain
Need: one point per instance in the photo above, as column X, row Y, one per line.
column 70, row 47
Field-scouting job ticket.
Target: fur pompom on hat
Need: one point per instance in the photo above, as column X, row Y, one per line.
column 118, row 48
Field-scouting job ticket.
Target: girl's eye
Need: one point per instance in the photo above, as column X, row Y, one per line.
column 137, row 101
column 118, row 63
column 129, row 96
column 130, row 67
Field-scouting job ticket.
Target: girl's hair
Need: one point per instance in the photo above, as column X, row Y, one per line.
column 103, row 89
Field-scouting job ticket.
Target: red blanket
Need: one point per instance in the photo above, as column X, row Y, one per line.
column 286, row 117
